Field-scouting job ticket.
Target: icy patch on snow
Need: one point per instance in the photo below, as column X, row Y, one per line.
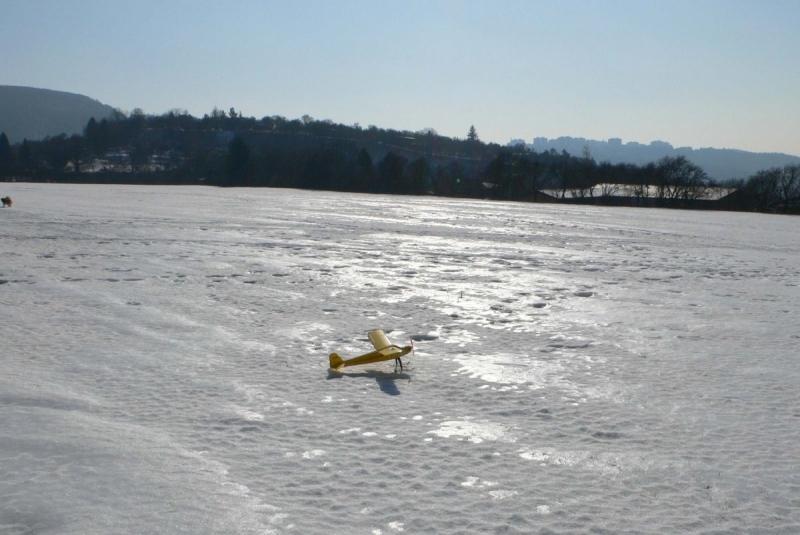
column 511, row 369
column 472, row 431
column 502, row 494
column 473, row 481
column 604, row 462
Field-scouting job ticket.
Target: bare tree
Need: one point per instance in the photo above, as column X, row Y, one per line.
column 788, row 187
column 608, row 190
column 680, row 179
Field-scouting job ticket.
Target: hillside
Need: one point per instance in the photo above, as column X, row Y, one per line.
column 31, row 113
column 720, row 164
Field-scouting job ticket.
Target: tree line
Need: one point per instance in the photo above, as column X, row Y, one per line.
column 224, row 148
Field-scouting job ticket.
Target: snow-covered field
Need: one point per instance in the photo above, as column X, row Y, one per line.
column 164, row 365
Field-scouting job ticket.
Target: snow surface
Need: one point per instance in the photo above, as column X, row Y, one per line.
column 577, row 369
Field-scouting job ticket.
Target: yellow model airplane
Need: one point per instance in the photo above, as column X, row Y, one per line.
column 384, row 350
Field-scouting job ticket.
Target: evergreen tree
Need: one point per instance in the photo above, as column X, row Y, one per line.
column 25, row 161
column 238, row 162
column 75, row 152
column 496, row 173
column 391, row 171
column 6, row 156
column 94, row 135
column 472, row 135
column 365, row 172
column 420, row 172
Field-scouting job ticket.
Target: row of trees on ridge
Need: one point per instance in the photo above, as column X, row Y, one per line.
column 227, row 149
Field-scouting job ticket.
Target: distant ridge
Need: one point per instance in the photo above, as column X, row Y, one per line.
column 32, row 113
column 720, row 164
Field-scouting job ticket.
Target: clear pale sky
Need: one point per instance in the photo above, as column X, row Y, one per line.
column 701, row 73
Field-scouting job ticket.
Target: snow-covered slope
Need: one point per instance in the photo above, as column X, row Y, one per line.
column 577, row 369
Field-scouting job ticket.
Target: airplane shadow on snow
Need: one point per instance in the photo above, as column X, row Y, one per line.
column 386, row 381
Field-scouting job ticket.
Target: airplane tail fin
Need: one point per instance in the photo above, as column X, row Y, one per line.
column 336, row 361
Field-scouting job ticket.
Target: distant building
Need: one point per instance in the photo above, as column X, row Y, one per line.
column 540, row 143
column 662, row 145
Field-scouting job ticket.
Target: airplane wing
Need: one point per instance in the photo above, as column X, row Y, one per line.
column 379, row 339
column 391, row 351
column 384, row 346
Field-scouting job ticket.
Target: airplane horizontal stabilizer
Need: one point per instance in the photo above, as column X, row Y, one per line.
column 336, row 361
